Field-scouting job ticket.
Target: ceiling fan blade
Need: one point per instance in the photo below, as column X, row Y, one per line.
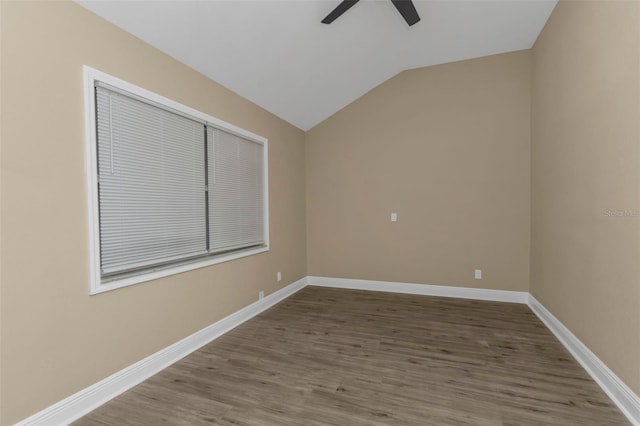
column 342, row 8
column 407, row 10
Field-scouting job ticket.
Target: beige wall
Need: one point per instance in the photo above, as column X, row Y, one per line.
column 450, row 148
column 585, row 264
column 56, row 339
column 447, row 148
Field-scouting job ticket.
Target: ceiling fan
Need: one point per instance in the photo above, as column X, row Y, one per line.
column 405, row 7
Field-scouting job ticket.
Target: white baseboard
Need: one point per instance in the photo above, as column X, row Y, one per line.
column 81, row 403
column 422, row 289
column 626, row 400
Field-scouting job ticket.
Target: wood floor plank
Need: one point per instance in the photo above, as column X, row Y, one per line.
column 342, row 357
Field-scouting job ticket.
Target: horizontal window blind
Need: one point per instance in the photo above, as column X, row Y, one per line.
column 236, row 191
column 151, row 168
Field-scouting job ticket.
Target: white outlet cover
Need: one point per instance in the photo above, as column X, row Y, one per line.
column 279, row 276
column 478, row 274
column 394, row 217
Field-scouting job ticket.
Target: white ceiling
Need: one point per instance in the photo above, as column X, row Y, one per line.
column 277, row 54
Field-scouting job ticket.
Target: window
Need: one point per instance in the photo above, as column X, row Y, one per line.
column 170, row 189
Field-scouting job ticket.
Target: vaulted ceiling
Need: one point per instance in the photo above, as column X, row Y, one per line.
column 279, row 55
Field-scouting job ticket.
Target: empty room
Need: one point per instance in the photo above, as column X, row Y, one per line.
column 320, row 212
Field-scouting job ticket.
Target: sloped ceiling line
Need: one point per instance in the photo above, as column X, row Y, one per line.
column 278, row 54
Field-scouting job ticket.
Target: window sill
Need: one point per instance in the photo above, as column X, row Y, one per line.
column 99, row 287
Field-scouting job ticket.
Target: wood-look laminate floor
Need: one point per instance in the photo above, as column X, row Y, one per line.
column 341, row 357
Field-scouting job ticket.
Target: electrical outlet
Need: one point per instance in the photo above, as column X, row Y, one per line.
column 279, row 276
column 478, row 274
column 394, row 217
column 261, row 294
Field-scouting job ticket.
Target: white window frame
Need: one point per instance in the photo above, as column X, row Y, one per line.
column 91, row 170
